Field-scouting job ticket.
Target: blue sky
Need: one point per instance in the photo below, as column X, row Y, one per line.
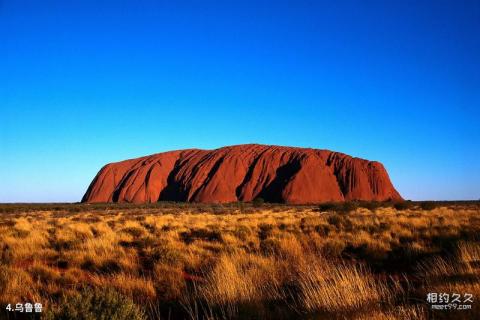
column 83, row 83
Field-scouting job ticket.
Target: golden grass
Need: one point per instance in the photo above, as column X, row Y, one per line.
column 375, row 264
column 325, row 286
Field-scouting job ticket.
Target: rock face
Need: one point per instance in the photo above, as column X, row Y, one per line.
column 243, row 173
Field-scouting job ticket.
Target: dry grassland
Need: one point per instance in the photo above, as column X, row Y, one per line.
column 267, row 262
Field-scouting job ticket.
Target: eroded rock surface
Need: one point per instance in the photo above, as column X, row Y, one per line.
column 243, row 173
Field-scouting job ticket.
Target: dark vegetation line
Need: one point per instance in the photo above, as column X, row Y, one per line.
column 244, row 207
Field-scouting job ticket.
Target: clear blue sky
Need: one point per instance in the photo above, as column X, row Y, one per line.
column 83, row 83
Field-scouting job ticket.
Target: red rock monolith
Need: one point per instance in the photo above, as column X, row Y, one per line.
column 243, row 173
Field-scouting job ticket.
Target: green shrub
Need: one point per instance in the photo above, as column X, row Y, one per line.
column 258, row 202
column 327, row 206
column 96, row 304
column 371, row 205
column 427, row 205
column 403, row 205
column 340, row 207
column 348, row 206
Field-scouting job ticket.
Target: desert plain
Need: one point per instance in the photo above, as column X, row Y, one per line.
column 353, row 260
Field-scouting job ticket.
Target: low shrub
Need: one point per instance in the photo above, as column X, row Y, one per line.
column 134, row 231
column 96, row 304
column 327, row 206
column 201, row 234
column 427, row 205
column 403, row 205
column 258, row 202
column 340, row 207
column 242, row 232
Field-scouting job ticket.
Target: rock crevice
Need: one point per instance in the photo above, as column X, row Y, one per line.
column 243, row 173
